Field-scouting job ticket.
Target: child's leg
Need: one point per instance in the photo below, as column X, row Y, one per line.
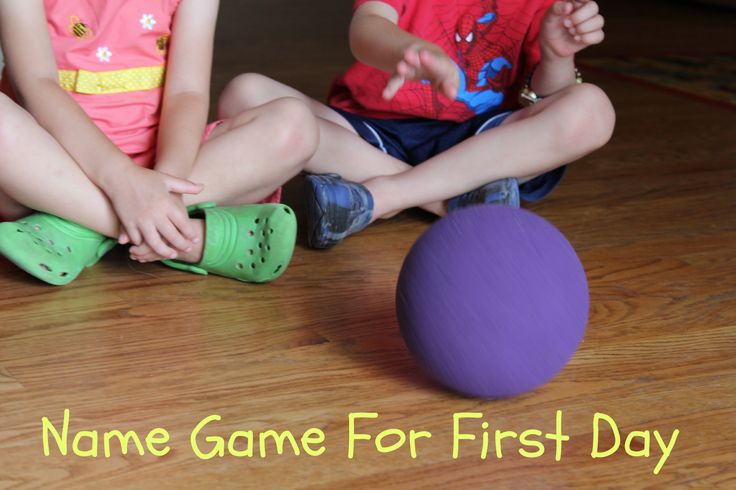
column 10, row 113
column 250, row 155
column 557, row 130
column 246, row 158
column 340, row 148
column 37, row 173
column 251, row 90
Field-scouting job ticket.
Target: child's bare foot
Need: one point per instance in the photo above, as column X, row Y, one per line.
column 144, row 253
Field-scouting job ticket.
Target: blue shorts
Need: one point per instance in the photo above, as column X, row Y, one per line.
column 415, row 140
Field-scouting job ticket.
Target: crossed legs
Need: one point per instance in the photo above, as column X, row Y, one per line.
column 246, row 159
column 558, row 130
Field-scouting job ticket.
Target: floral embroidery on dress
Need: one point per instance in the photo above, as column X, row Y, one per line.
column 147, row 21
column 104, row 54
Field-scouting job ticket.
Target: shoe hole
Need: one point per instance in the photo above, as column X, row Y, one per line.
column 260, row 245
column 20, row 231
column 287, row 210
column 263, row 260
column 45, row 267
column 251, row 233
column 51, row 243
column 240, row 266
column 253, row 265
column 63, row 274
column 268, row 247
column 271, row 231
column 69, row 249
column 250, row 252
column 277, row 269
column 258, row 220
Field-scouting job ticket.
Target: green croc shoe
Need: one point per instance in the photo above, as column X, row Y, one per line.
column 51, row 248
column 250, row 243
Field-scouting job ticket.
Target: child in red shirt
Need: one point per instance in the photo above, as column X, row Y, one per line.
column 437, row 83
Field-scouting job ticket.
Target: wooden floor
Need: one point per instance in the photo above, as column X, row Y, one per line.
column 653, row 217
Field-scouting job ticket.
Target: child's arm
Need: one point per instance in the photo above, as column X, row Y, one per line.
column 142, row 198
column 376, row 40
column 567, row 28
column 186, row 93
column 35, row 78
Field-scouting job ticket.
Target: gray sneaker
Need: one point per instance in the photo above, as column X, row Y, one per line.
column 504, row 192
column 336, row 208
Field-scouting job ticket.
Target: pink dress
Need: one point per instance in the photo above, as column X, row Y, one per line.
column 97, row 37
column 111, row 56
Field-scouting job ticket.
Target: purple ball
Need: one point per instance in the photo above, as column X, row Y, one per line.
column 492, row 301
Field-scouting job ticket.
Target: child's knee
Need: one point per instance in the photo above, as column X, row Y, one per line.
column 591, row 118
column 244, row 92
column 295, row 132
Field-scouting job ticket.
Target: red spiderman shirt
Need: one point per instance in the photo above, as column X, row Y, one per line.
column 494, row 44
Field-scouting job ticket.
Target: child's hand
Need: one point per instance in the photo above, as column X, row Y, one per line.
column 570, row 26
column 144, row 253
column 150, row 211
column 420, row 63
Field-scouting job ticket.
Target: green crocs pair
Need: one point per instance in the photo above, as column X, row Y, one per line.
column 251, row 243
column 51, row 248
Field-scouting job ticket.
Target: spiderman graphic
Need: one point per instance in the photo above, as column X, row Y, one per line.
column 483, row 51
column 483, row 42
column 481, row 77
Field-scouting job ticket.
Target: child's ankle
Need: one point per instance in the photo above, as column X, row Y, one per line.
column 380, row 211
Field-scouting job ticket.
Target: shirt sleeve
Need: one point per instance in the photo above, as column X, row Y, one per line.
column 398, row 5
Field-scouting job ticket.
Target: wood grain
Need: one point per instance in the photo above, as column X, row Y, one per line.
column 134, row 347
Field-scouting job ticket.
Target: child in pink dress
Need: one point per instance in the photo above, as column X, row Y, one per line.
column 109, row 139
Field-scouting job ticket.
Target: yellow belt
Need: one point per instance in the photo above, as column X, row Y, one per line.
column 112, row 82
